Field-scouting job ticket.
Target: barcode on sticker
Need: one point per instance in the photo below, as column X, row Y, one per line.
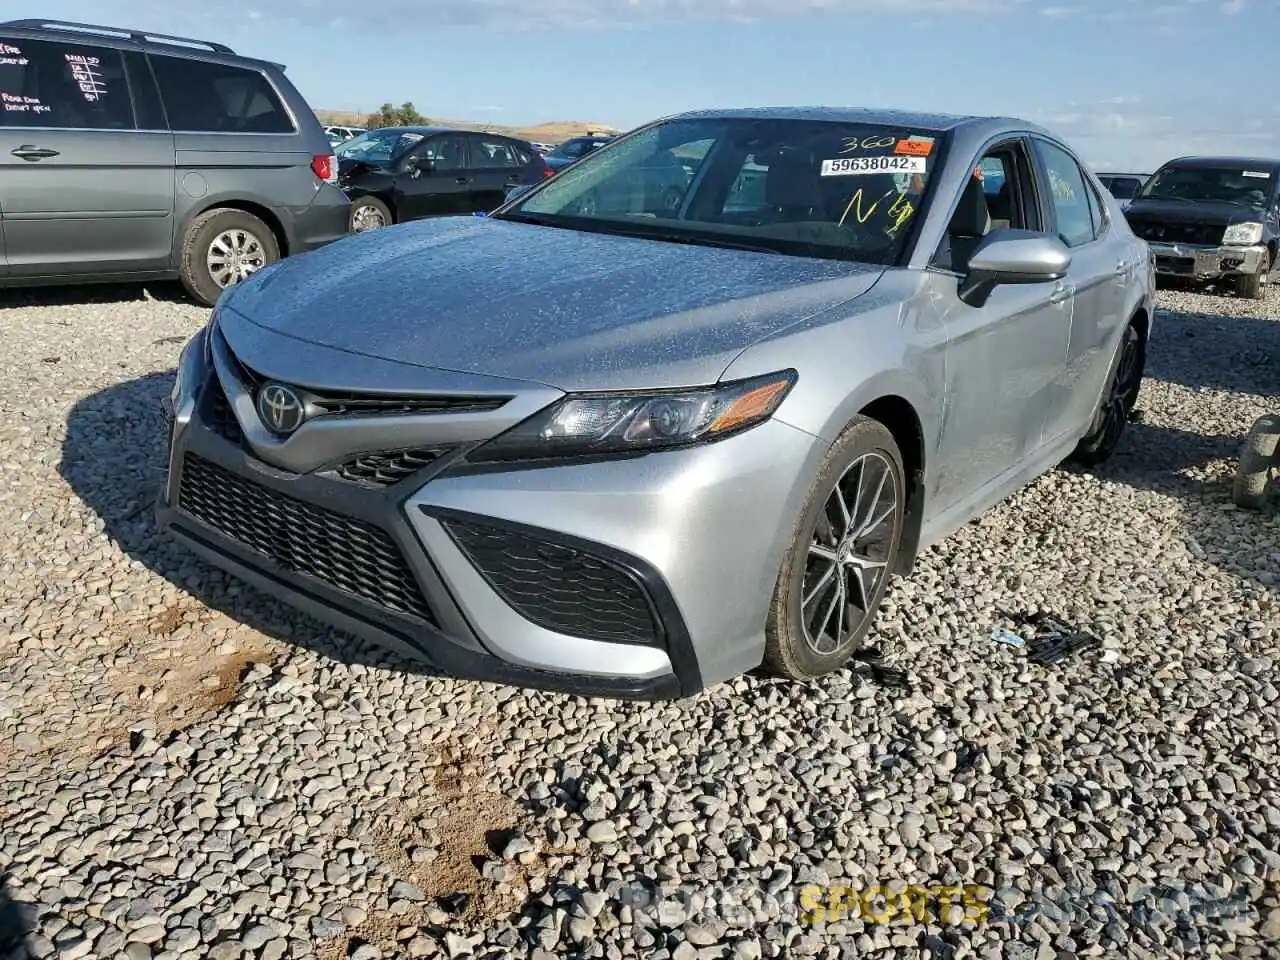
column 848, row 166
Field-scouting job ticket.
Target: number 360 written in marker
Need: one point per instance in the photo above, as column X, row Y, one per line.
column 845, row 166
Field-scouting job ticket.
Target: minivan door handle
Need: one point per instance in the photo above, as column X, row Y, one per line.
column 31, row 153
column 462, row 180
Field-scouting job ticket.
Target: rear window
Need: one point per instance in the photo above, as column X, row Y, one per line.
column 64, row 85
column 205, row 97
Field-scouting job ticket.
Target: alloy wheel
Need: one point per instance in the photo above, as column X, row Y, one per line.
column 1123, row 392
column 848, row 553
column 234, row 255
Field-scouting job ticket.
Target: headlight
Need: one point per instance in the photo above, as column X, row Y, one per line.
column 610, row 423
column 1243, row 234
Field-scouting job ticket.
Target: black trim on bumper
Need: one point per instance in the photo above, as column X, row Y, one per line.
column 450, row 648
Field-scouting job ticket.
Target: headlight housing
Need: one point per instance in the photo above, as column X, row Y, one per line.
column 1242, row 234
column 583, row 425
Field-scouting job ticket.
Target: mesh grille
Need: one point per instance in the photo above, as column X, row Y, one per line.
column 218, row 414
column 1197, row 233
column 387, row 468
column 348, row 554
column 559, row 588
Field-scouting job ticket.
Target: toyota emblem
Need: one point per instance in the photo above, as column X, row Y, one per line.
column 280, row 408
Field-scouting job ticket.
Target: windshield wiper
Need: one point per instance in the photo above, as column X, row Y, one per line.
column 696, row 241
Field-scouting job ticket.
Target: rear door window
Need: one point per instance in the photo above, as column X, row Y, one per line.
column 487, row 154
column 70, row 86
column 202, row 97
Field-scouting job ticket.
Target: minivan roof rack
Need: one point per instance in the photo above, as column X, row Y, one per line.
column 138, row 36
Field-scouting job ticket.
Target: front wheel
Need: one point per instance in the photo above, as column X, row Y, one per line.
column 1117, row 403
column 222, row 248
column 1254, row 286
column 838, row 567
column 370, row 213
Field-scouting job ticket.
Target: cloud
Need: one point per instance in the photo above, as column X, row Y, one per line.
column 563, row 14
column 1123, row 133
column 1232, row 7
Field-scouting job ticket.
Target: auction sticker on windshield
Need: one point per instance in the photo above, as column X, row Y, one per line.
column 850, row 166
column 1257, row 174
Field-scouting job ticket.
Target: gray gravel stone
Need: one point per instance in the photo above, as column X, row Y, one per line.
column 151, row 801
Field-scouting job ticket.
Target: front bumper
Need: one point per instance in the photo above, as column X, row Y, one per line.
column 1197, row 262
column 637, row 578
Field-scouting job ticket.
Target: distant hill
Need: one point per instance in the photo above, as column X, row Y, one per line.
column 554, row 131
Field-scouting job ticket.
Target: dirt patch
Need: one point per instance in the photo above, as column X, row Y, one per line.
column 440, row 841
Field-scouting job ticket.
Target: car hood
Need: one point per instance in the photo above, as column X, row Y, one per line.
column 568, row 309
column 1179, row 211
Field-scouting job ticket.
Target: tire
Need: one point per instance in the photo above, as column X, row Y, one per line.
column 212, row 235
column 1124, row 381
column 1254, row 286
column 369, row 211
column 866, row 451
column 1259, row 462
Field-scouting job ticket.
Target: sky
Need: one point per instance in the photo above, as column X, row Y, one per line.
column 1129, row 83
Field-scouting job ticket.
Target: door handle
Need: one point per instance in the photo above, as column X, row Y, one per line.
column 29, row 152
column 1122, row 267
column 1061, row 292
column 462, row 180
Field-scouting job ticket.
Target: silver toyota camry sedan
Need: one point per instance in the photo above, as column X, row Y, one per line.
column 678, row 412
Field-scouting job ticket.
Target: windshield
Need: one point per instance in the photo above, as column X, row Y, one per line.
column 1250, row 188
column 377, row 146
column 802, row 187
column 570, row 149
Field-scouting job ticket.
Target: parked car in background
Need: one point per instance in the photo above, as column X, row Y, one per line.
column 343, row 133
column 575, row 149
column 1213, row 219
column 600, row 442
column 133, row 156
column 1123, row 186
column 543, row 148
column 394, row 174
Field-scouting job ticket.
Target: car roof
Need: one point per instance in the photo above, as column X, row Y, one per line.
column 128, row 38
column 1264, row 163
column 428, row 131
column 903, row 118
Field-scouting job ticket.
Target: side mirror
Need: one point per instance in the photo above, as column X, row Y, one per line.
column 516, row 191
column 1013, row 256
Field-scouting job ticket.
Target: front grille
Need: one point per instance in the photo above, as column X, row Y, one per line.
column 557, row 587
column 357, row 405
column 386, row 468
column 348, row 554
column 218, row 415
column 1197, row 233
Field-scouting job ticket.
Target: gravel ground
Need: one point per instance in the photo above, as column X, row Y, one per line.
column 179, row 780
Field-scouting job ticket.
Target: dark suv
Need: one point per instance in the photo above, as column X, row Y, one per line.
column 130, row 156
column 1212, row 219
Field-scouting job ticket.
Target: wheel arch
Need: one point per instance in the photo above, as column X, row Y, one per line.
column 263, row 213
column 382, row 197
column 900, row 418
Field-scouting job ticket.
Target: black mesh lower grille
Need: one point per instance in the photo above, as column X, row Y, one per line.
column 557, row 587
column 1198, row 233
column 386, row 468
column 349, row 554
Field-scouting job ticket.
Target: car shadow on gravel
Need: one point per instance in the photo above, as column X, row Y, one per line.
column 13, row 924
column 1217, row 351
column 70, row 295
column 114, row 459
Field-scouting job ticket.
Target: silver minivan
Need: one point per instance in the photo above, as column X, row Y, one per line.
column 133, row 156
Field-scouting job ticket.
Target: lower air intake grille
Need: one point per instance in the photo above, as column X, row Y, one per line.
column 559, row 588
column 349, row 554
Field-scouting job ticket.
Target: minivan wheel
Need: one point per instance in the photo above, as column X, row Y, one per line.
column 370, row 213
column 838, row 567
column 1117, row 403
column 222, row 248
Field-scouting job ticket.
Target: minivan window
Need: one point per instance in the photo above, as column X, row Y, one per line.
column 64, row 85
column 202, row 97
